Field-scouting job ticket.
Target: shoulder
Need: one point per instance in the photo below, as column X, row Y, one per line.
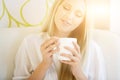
column 96, row 61
column 36, row 37
column 33, row 39
column 96, row 53
column 94, row 48
column 94, row 45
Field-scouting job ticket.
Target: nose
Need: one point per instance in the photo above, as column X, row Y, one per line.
column 70, row 16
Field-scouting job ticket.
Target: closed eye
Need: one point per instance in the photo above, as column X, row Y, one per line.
column 67, row 6
column 78, row 14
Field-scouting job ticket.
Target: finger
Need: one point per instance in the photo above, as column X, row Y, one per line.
column 57, row 48
column 66, row 62
column 72, row 58
column 50, row 41
column 52, row 47
column 51, row 52
column 73, row 51
column 76, row 46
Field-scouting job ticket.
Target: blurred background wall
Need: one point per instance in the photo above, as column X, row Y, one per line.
column 31, row 13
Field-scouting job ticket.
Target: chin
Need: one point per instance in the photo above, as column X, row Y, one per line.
column 66, row 31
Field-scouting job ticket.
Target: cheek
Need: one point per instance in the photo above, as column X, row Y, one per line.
column 59, row 13
column 57, row 16
column 77, row 22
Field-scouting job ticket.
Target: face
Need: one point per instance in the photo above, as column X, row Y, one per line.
column 69, row 15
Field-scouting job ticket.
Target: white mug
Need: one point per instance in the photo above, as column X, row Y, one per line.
column 68, row 42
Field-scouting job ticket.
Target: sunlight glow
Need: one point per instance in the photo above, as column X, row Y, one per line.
column 101, row 14
column 98, row 10
column 115, row 16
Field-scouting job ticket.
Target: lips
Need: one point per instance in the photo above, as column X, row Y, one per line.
column 66, row 23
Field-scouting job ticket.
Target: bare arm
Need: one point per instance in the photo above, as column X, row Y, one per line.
column 79, row 75
column 75, row 62
column 47, row 52
column 39, row 73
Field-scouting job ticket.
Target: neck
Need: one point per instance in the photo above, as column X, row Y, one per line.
column 61, row 34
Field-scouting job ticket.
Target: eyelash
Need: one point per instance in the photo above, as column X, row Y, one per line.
column 78, row 15
column 66, row 7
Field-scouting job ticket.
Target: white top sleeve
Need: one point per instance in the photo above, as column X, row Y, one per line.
column 96, row 69
column 22, row 69
column 29, row 57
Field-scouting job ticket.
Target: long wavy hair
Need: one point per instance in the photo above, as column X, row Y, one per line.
column 81, row 33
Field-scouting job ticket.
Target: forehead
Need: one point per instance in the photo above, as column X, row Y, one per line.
column 75, row 3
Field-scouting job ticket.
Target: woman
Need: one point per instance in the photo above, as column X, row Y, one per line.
column 36, row 61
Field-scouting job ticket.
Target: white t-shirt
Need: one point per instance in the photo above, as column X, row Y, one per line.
column 29, row 57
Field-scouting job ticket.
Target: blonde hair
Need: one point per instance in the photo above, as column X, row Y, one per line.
column 49, row 23
column 80, row 33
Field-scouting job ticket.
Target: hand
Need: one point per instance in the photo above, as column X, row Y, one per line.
column 75, row 59
column 48, row 48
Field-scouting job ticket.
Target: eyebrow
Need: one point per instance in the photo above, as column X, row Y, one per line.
column 67, row 3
